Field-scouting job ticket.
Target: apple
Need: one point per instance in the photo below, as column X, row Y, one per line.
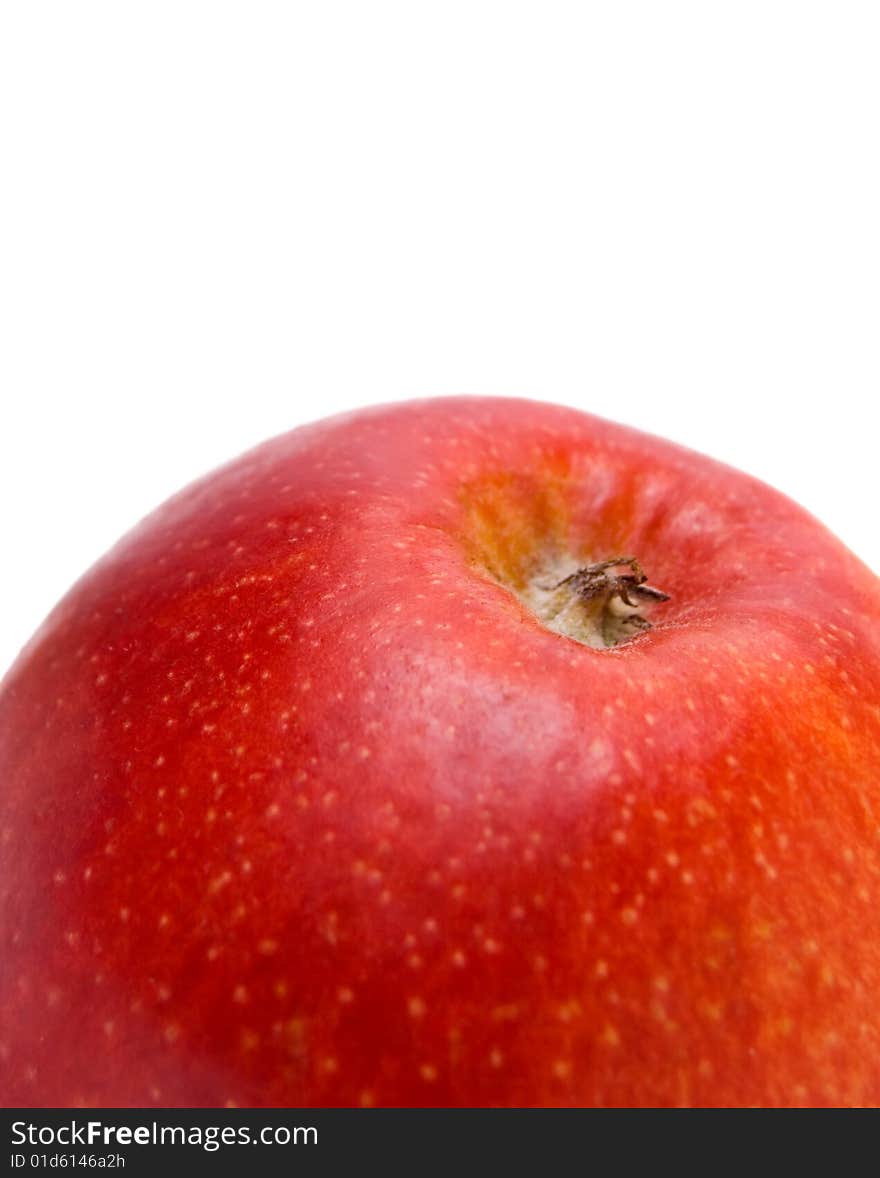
column 464, row 752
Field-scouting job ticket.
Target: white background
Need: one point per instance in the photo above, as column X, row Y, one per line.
column 220, row 220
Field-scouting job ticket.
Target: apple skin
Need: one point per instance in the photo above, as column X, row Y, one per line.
column 301, row 805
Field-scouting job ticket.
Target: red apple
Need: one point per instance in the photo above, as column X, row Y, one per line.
column 350, row 777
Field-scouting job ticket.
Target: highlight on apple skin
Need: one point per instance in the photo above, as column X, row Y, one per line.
column 458, row 752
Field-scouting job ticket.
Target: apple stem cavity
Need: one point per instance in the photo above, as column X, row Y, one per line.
column 596, row 605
